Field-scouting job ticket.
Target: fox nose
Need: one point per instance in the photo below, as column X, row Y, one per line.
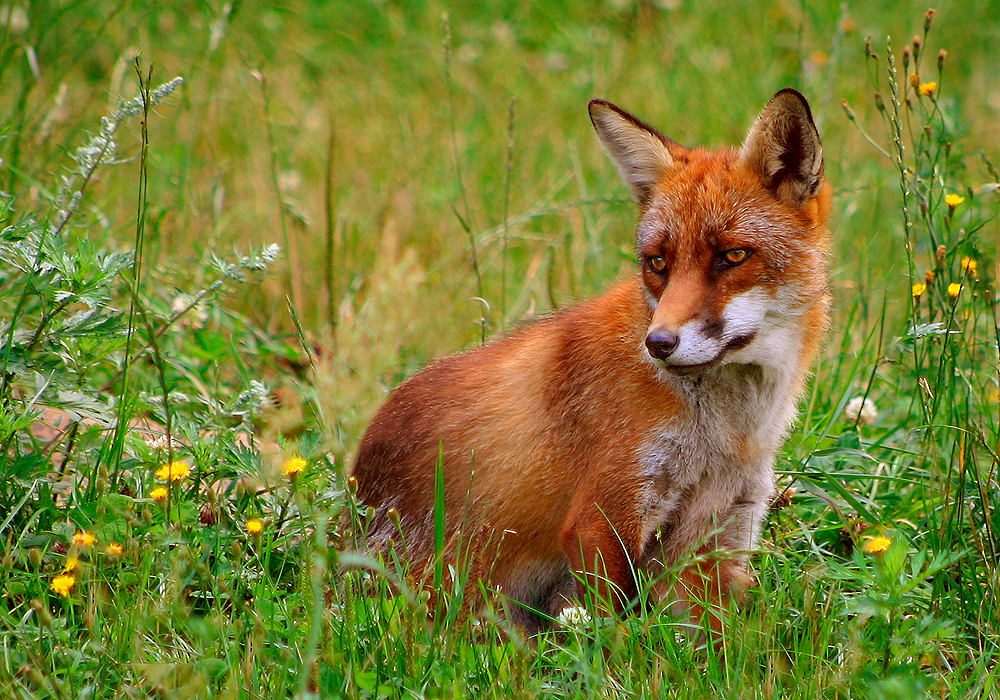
column 661, row 344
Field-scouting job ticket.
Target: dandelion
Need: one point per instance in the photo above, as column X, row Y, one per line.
column 84, row 539
column 255, row 526
column 862, row 410
column 159, row 494
column 954, row 289
column 877, row 545
column 969, row 266
column 293, row 466
column 71, row 565
column 175, row 471
column 114, row 549
column 953, row 200
column 927, row 89
column 63, row 584
column 918, row 290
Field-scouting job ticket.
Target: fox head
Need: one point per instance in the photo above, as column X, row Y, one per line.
column 732, row 242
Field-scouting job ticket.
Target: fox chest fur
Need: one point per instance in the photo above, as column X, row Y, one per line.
column 633, row 434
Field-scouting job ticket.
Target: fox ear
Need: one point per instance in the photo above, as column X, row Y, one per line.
column 640, row 153
column 784, row 149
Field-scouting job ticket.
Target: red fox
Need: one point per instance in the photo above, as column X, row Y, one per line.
column 622, row 437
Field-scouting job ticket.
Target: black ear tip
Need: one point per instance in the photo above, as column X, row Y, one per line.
column 598, row 106
column 790, row 91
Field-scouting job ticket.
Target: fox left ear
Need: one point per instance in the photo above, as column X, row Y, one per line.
column 640, row 152
column 784, row 149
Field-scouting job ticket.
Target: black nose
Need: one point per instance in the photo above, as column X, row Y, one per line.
column 661, row 344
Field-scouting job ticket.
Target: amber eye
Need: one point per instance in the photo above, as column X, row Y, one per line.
column 736, row 256
column 658, row 264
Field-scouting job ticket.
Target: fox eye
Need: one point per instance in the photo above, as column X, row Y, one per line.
column 735, row 256
column 658, row 264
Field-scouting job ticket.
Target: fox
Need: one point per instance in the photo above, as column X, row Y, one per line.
column 633, row 435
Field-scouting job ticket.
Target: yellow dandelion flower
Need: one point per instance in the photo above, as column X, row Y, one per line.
column 877, row 545
column 115, row 550
column 84, row 539
column 159, row 494
column 63, row 584
column 255, row 526
column 71, row 565
column 918, row 290
column 293, row 466
column 927, row 88
column 953, row 200
column 969, row 266
column 954, row 289
column 175, row 471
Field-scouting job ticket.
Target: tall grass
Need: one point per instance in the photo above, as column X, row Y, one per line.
column 178, row 402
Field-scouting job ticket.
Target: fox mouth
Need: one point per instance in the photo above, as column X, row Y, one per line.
column 689, row 370
column 671, row 365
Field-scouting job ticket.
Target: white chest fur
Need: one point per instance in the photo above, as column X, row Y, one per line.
column 708, row 471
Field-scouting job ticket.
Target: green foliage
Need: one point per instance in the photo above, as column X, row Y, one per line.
column 432, row 180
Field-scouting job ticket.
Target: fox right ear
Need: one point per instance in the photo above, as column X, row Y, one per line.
column 784, row 149
column 640, row 153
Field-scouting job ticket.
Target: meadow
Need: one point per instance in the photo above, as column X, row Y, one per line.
column 227, row 230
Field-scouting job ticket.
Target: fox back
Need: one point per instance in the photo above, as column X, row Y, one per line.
column 635, row 432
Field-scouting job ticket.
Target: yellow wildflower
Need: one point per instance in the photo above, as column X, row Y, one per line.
column 877, row 545
column 954, row 289
column 159, row 494
column 114, row 549
column 927, row 88
column 71, row 565
column 175, row 471
column 293, row 466
column 918, row 290
column 63, row 584
column 969, row 266
column 255, row 526
column 953, row 200
column 84, row 539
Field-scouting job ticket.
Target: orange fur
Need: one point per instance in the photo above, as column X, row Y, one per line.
column 634, row 430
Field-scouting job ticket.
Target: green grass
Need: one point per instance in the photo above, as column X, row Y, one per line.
column 431, row 180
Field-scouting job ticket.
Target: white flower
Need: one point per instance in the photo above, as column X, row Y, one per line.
column 157, row 442
column 861, row 409
column 191, row 310
column 575, row 617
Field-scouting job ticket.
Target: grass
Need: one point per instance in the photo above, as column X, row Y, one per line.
column 431, row 179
